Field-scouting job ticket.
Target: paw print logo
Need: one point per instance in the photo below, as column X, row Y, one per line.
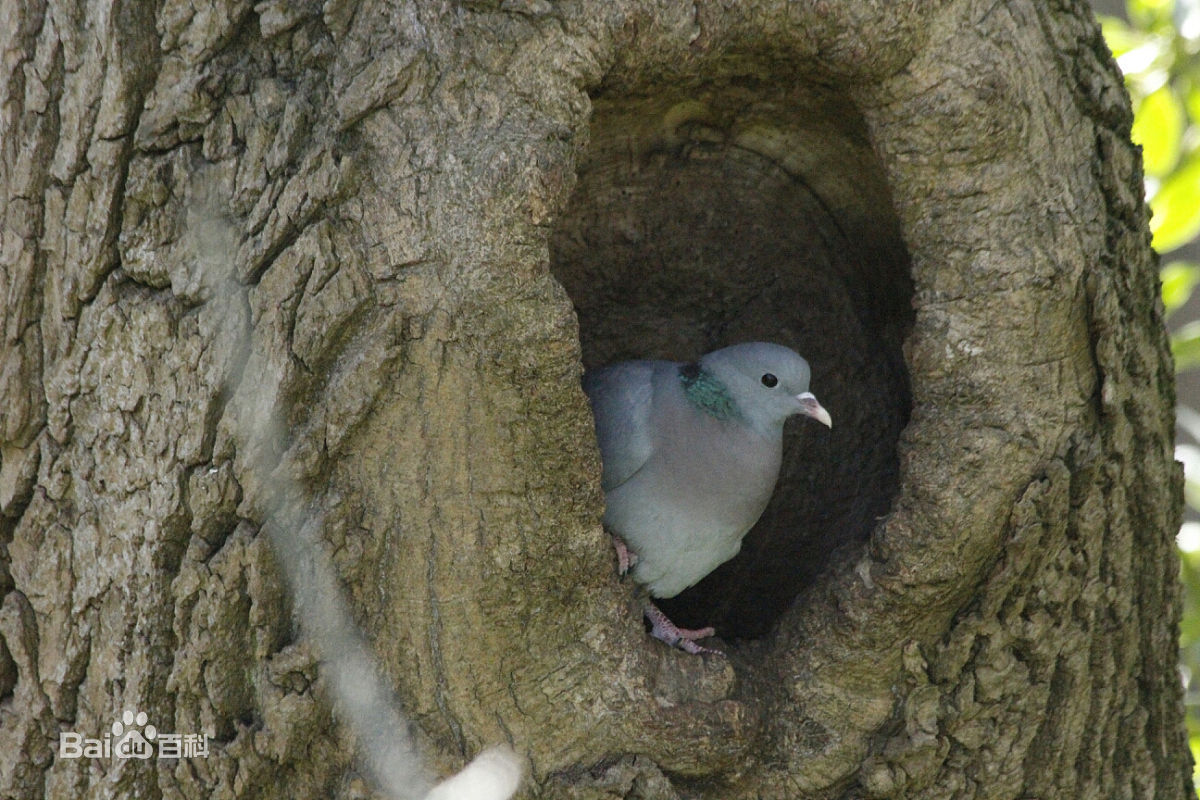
column 130, row 742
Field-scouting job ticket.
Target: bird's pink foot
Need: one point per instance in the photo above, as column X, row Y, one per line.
column 664, row 630
column 626, row 558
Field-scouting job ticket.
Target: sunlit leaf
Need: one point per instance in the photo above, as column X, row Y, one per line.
column 1191, row 493
column 1120, row 37
column 1150, row 13
column 1194, row 744
column 1187, row 15
column 1193, row 102
column 1185, row 345
column 1150, row 6
column 1142, row 67
column 1158, row 128
column 1179, row 279
column 1176, row 208
column 1189, row 574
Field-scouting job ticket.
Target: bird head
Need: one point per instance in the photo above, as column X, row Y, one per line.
column 768, row 382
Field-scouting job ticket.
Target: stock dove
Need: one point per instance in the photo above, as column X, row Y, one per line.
column 691, row 453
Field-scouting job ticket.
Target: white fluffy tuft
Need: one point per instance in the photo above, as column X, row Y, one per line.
column 495, row 774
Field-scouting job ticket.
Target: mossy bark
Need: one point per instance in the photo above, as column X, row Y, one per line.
column 370, row 247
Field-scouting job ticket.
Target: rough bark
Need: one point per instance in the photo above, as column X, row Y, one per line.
column 372, row 245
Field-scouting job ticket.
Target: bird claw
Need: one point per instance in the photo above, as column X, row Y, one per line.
column 626, row 558
column 661, row 627
column 664, row 630
column 688, row 646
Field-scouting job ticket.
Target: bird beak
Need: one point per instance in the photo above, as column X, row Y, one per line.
column 809, row 407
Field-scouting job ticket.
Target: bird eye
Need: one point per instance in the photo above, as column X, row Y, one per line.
column 769, row 380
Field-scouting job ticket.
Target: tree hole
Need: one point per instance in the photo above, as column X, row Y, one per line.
column 737, row 212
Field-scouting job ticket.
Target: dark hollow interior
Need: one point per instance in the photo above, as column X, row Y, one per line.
column 736, row 212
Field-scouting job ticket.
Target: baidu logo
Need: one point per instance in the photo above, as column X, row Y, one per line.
column 130, row 742
column 131, row 737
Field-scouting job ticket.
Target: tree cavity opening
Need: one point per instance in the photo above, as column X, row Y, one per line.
column 735, row 212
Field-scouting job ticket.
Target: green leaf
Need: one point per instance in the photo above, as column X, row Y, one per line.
column 1119, row 37
column 1149, row 14
column 1176, row 208
column 1158, row 127
column 1145, row 68
column 1179, row 279
column 1185, row 346
column 1193, row 102
column 1150, row 6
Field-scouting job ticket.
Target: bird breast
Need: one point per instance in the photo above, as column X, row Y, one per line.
column 687, row 509
column 720, row 467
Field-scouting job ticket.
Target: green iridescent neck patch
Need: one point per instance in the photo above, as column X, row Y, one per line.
column 707, row 393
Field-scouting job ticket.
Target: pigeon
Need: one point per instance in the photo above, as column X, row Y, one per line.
column 691, row 453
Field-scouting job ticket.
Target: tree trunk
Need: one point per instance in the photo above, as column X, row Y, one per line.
column 335, row 267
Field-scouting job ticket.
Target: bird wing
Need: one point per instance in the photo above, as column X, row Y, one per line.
column 622, row 401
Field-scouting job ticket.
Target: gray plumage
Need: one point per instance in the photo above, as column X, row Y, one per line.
column 691, row 453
